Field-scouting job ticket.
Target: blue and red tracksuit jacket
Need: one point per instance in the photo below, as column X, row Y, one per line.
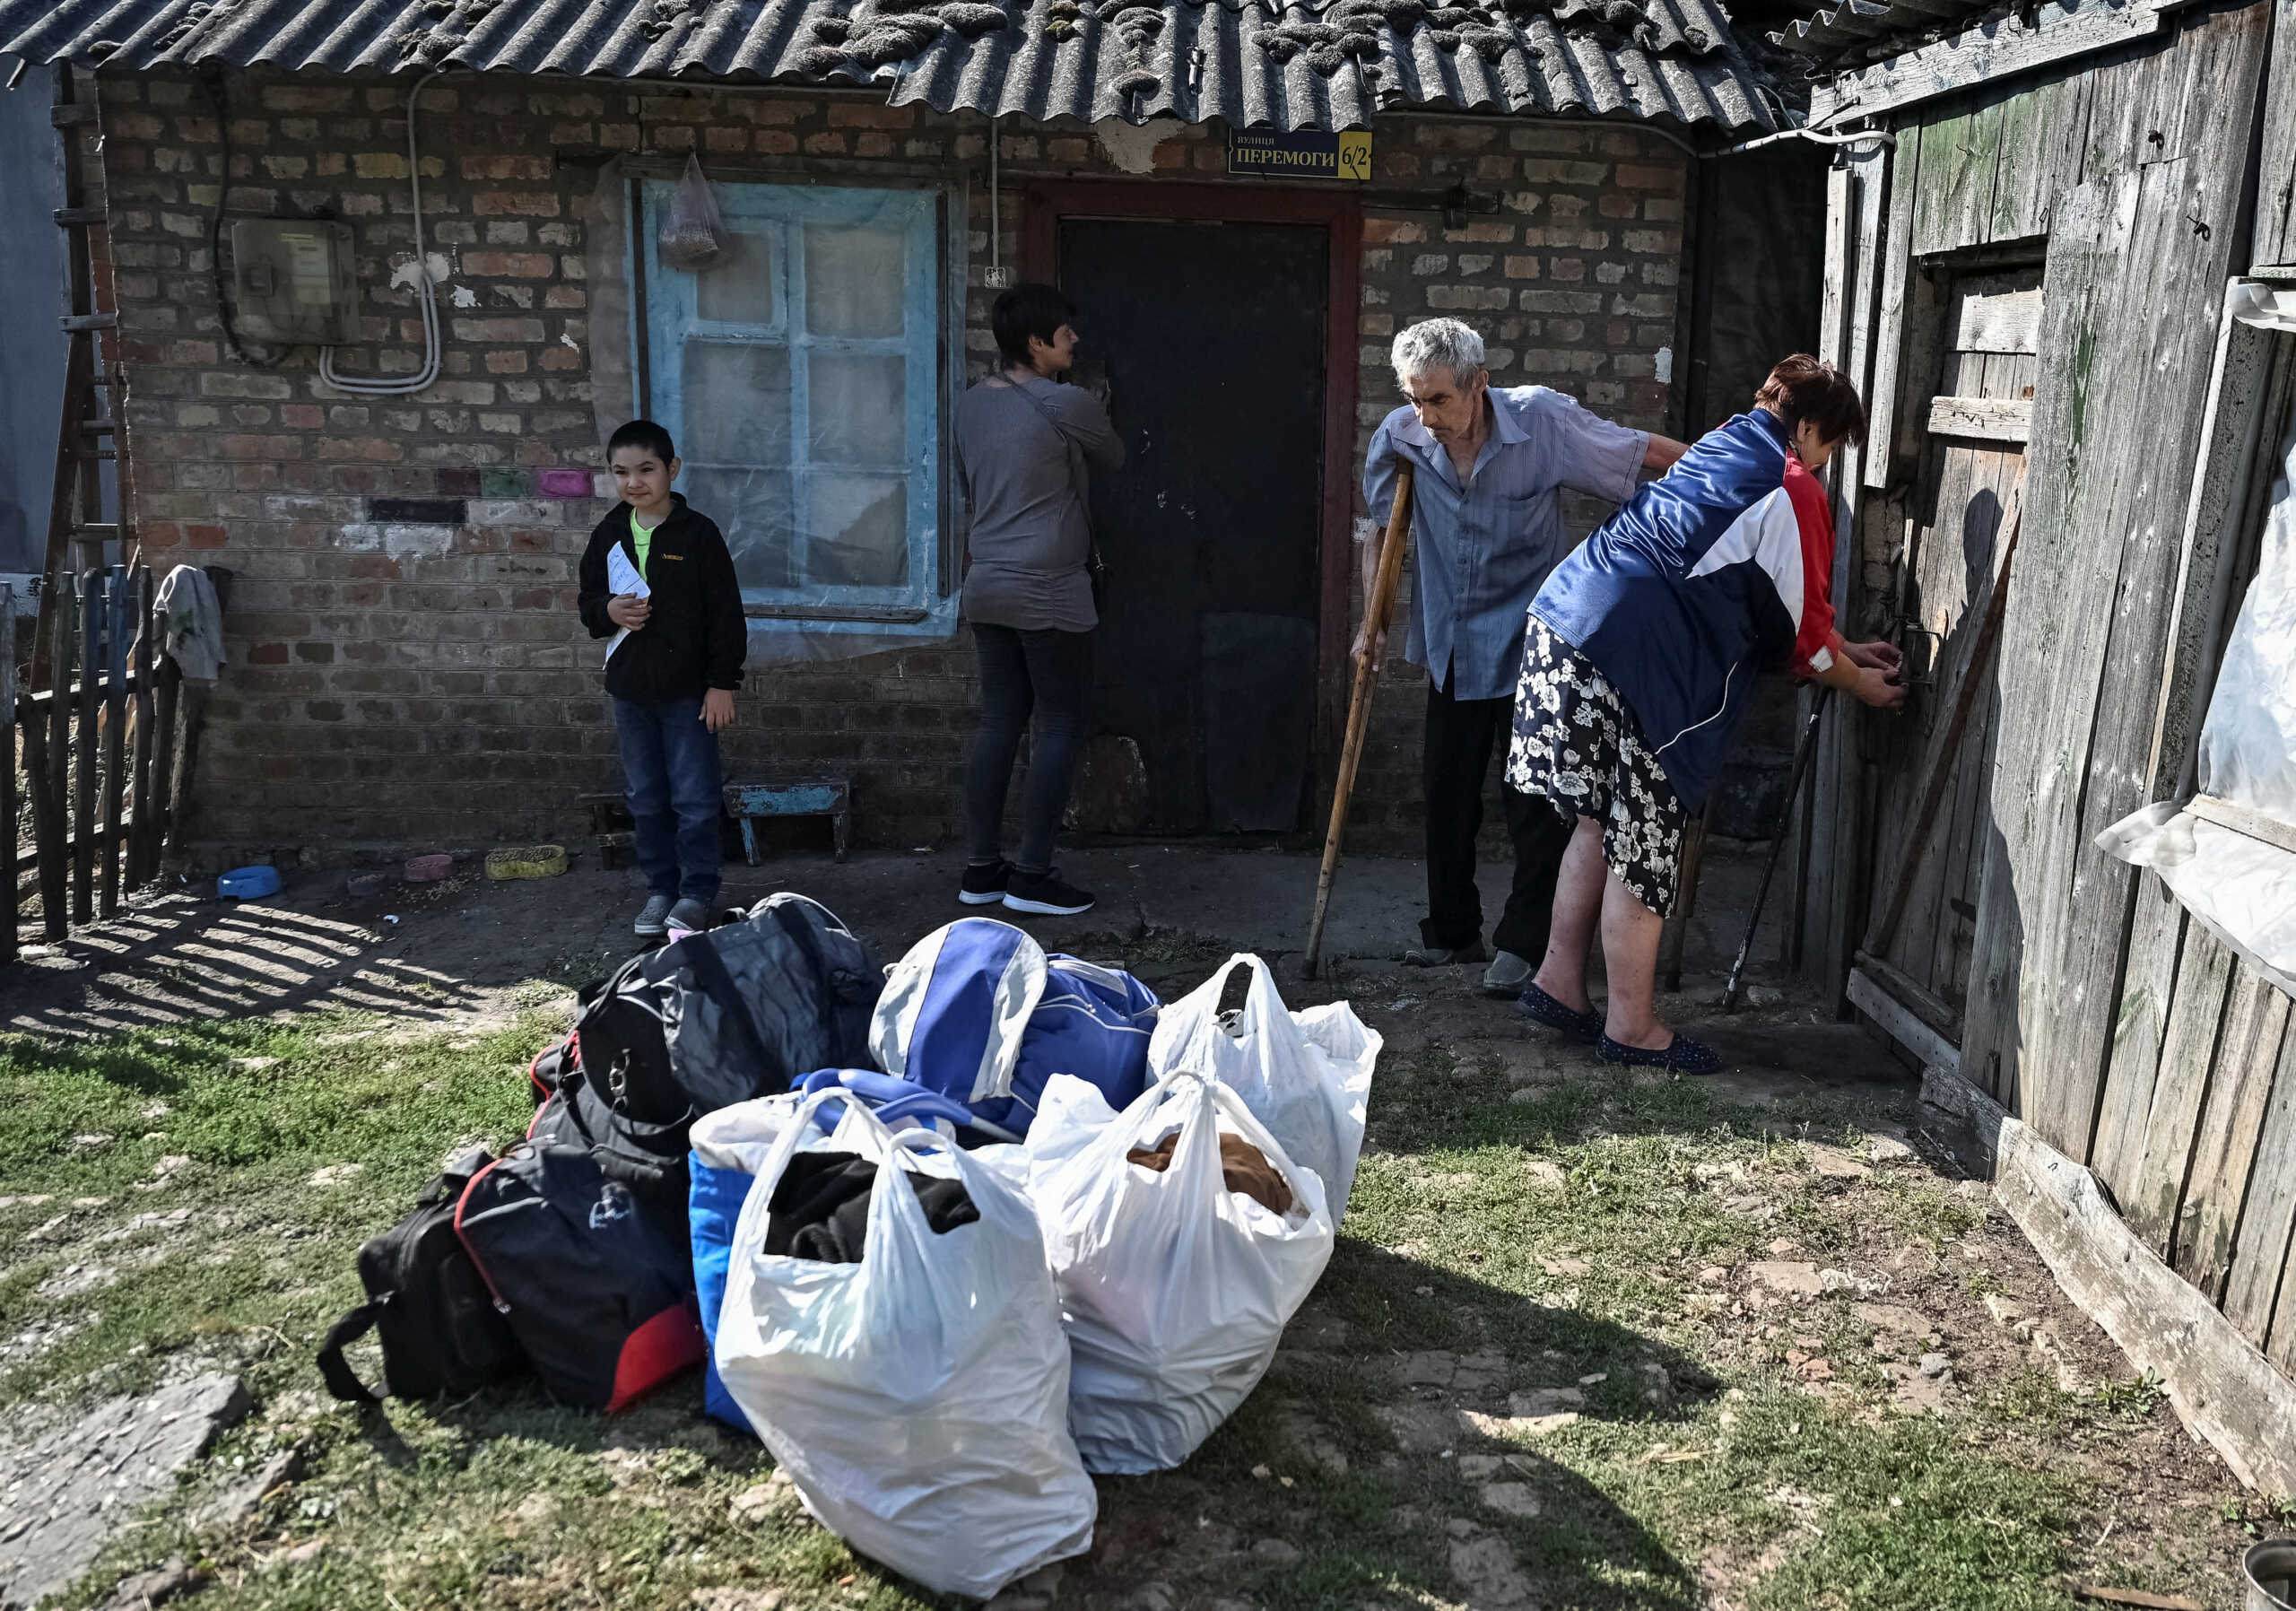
column 1714, row 571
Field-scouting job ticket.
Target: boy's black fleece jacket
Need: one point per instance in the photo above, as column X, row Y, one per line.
column 696, row 638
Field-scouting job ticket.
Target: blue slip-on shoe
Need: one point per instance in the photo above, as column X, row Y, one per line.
column 1681, row 1054
column 1540, row 1007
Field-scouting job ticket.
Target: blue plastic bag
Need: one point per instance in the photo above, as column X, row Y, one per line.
column 978, row 1012
column 714, row 1205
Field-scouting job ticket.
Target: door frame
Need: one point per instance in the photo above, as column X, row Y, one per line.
column 1048, row 205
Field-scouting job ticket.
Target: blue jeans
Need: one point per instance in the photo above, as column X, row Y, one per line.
column 669, row 763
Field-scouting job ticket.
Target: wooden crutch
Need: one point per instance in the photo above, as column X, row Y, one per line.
column 1376, row 610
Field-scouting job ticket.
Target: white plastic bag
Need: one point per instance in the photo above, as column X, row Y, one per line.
column 693, row 231
column 1177, row 1289
column 919, row 1400
column 1306, row 1075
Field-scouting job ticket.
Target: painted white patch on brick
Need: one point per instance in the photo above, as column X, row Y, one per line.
column 406, row 276
column 509, row 511
column 465, row 297
column 359, row 536
column 568, row 341
column 1662, row 366
column 404, row 540
column 1131, row 149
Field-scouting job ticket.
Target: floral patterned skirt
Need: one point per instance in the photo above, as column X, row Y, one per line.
column 1577, row 745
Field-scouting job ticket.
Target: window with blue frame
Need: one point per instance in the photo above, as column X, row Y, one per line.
column 799, row 374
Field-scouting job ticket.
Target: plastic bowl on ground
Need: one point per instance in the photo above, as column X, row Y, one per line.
column 428, row 869
column 248, row 884
column 526, row 861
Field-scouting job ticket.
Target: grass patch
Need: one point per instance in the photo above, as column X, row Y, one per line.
column 1571, row 1236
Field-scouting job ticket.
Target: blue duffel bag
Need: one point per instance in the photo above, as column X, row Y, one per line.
column 730, row 1147
column 978, row 1012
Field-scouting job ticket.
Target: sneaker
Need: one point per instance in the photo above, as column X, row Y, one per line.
column 1681, row 1055
column 1506, row 975
column 688, row 916
column 653, row 918
column 1445, row 956
column 1048, row 894
column 985, row 886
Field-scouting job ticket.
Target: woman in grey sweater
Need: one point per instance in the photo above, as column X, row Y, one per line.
column 1026, row 448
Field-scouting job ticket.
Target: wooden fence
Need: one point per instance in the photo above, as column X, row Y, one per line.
column 96, row 729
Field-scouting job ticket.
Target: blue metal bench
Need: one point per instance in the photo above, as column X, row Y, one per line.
column 829, row 798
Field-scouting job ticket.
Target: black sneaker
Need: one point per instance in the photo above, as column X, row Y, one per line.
column 1046, row 894
column 985, row 886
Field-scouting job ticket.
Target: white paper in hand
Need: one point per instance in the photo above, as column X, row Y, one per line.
column 622, row 577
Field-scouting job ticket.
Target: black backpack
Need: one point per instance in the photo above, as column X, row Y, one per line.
column 594, row 1281
column 427, row 1304
column 747, row 1010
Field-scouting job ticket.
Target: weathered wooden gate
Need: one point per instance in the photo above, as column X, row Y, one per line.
column 1982, row 326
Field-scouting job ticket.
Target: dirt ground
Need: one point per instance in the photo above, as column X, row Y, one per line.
column 1757, row 1340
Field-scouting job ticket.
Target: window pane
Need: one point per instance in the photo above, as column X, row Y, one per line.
column 857, row 531
column 742, row 286
column 859, row 410
column 736, row 403
column 751, row 507
column 853, row 279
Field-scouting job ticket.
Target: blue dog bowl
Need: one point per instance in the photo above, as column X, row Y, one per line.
column 248, row 884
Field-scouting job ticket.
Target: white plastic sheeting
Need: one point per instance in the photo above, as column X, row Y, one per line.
column 2240, row 883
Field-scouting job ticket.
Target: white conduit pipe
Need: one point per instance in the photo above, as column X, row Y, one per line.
column 399, row 385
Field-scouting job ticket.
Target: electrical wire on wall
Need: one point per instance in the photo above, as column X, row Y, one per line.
column 399, row 385
column 217, row 95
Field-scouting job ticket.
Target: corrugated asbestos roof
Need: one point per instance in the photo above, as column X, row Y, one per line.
column 1330, row 64
column 1834, row 31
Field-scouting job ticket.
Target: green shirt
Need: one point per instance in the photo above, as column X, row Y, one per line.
column 641, row 540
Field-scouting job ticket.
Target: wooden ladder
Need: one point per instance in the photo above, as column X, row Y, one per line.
column 90, row 433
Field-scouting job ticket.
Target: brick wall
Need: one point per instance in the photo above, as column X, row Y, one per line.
column 413, row 682
column 1571, row 284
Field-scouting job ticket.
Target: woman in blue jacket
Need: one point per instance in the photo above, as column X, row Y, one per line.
column 1639, row 664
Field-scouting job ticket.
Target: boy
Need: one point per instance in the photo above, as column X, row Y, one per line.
column 658, row 579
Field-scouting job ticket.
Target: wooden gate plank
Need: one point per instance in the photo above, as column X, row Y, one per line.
column 116, row 600
column 1971, row 667
column 2077, row 453
column 142, row 842
column 2276, row 226
column 2155, row 940
column 85, row 747
column 2006, row 321
column 1959, row 156
column 2187, row 1053
column 2248, row 1053
column 2169, row 396
column 2268, row 1222
column 1889, row 327
column 2221, row 1385
column 2045, row 160
column 8, row 737
column 1987, row 419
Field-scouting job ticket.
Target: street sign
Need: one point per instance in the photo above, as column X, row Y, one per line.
column 1309, row 154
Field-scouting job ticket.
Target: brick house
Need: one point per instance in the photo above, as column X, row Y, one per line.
column 405, row 662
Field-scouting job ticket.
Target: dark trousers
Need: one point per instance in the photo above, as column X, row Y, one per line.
column 1041, row 672
column 1460, row 735
column 669, row 766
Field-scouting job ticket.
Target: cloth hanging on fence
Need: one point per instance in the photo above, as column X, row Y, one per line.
column 193, row 631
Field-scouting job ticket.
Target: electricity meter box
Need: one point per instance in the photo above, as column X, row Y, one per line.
column 291, row 281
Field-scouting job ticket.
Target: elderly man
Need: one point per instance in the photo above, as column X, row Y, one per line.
column 1489, row 467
